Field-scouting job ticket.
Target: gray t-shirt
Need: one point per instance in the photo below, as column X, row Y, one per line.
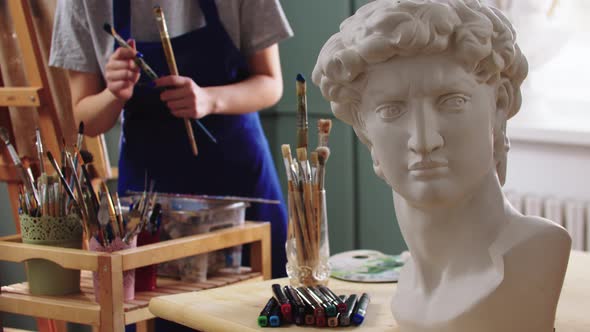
column 79, row 42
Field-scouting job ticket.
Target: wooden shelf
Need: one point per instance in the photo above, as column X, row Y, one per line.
column 82, row 307
column 111, row 313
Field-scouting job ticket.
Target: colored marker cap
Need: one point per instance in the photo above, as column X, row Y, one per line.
column 357, row 319
column 262, row 321
column 286, row 311
column 275, row 321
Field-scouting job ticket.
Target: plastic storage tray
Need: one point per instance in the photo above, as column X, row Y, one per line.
column 184, row 216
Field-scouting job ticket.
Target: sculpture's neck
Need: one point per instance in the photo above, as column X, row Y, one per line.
column 452, row 240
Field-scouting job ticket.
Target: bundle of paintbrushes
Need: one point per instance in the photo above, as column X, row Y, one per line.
column 48, row 195
column 307, row 242
column 68, row 191
column 113, row 223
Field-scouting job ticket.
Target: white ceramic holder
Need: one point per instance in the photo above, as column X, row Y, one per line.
column 428, row 87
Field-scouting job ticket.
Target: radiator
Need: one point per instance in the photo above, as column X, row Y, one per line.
column 572, row 214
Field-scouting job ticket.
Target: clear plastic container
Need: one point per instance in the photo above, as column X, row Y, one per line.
column 184, row 216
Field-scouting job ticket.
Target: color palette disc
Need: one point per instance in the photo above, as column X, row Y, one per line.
column 367, row 266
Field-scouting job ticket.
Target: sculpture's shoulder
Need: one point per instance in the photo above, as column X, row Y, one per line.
column 542, row 230
column 544, row 245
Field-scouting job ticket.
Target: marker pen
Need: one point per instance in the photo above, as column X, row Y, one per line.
column 340, row 305
column 361, row 309
column 298, row 307
column 265, row 313
column 329, row 306
column 309, row 308
column 350, row 304
column 320, row 315
column 333, row 321
column 286, row 308
column 275, row 316
column 318, row 310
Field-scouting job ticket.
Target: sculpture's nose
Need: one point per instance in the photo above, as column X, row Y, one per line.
column 424, row 129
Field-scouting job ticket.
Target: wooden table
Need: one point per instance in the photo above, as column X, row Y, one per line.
column 235, row 308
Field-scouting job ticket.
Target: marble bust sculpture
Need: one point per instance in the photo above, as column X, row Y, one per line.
column 428, row 87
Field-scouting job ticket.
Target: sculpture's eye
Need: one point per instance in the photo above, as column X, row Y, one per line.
column 390, row 112
column 453, row 102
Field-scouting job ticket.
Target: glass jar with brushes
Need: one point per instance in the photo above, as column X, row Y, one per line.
column 307, row 246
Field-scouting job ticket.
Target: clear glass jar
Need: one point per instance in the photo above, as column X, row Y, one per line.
column 308, row 247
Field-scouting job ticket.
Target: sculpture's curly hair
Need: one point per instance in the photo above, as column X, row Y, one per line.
column 482, row 39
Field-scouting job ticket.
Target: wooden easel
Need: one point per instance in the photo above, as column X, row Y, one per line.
column 36, row 96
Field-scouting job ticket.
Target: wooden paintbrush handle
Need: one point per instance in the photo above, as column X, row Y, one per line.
column 191, row 136
column 167, row 45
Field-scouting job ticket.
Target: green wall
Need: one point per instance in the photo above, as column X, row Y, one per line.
column 360, row 207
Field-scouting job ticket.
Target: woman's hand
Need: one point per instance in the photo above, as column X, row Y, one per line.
column 121, row 72
column 185, row 98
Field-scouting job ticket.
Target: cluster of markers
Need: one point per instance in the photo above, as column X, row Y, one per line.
column 317, row 306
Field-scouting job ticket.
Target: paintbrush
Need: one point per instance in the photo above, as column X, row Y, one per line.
column 119, row 214
column 104, row 218
column 78, row 187
column 167, row 45
column 111, row 206
column 61, row 177
column 138, row 56
column 39, row 145
column 64, row 183
column 301, row 112
column 26, row 165
column 296, row 216
column 80, row 136
column 313, row 161
column 288, row 161
column 323, row 155
column 24, row 173
column 307, row 197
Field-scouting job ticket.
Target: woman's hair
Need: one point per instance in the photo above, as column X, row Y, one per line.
column 481, row 38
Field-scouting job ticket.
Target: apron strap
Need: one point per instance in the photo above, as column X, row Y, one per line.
column 122, row 18
column 209, row 9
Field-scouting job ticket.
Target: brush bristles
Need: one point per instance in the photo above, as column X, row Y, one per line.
column 313, row 158
column 324, row 126
column 26, row 162
column 4, row 135
column 87, row 157
column 323, row 154
column 81, row 128
column 286, row 149
column 301, row 89
column 107, row 27
column 301, row 154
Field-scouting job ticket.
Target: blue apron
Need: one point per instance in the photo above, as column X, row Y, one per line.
column 154, row 141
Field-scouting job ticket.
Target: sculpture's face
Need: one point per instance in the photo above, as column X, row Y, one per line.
column 430, row 123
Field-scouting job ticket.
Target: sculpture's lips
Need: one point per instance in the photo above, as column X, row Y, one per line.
column 427, row 164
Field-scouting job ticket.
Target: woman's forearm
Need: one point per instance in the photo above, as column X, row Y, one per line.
column 251, row 95
column 93, row 104
column 262, row 89
column 99, row 112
